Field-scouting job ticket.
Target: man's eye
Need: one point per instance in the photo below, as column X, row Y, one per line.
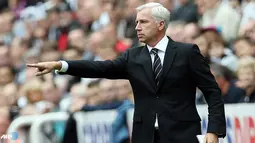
column 143, row 21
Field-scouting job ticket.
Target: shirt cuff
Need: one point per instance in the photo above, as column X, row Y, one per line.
column 64, row 67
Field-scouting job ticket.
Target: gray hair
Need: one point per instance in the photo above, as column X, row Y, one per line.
column 158, row 11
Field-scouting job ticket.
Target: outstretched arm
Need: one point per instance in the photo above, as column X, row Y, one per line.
column 112, row 69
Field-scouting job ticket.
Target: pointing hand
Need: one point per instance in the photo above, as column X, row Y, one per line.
column 45, row 67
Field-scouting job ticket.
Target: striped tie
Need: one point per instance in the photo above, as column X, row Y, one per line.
column 157, row 67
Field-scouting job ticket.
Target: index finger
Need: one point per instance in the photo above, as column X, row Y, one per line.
column 33, row 65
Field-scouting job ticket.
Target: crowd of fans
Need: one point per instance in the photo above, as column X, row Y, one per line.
column 45, row 30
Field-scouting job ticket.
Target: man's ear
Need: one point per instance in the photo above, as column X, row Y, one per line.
column 161, row 25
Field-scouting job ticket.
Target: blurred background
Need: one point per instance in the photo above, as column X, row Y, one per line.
column 45, row 30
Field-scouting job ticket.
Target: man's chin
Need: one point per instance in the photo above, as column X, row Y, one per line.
column 141, row 40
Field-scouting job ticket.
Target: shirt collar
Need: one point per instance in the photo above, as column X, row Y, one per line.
column 161, row 45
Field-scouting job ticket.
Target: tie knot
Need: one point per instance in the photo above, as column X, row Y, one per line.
column 154, row 51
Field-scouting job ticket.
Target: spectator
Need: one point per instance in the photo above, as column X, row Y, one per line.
column 77, row 39
column 246, row 77
column 237, row 5
column 243, row 47
column 221, row 55
column 118, row 44
column 201, row 6
column 191, row 31
column 100, row 18
column 248, row 13
column 32, row 95
column 9, row 95
column 248, row 30
column 7, row 75
column 95, row 41
column 78, row 97
column 50, row 55
column 17, row 51
column 72, row 54
column 51, row 96
column 221, row 16
column 176, row 30
column 8, row 20
column 108, row 90
column 169, row 4
column 130, row 19
column 224, row 77
column 124, row 90
column 186, row 12
column 203, row 45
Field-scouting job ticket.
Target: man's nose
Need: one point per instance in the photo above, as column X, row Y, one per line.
column 138, row 27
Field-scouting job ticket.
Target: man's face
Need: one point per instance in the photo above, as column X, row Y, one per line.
column 146, row 26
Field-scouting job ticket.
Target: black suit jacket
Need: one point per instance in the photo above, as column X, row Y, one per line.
column 184, row 69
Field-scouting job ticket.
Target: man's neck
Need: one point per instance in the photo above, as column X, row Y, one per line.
column 156, row 40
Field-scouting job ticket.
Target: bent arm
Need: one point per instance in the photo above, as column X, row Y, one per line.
column 206, row 82
column 111, row 69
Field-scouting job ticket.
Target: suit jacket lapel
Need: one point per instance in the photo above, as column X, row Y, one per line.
column 145, row 60
column 168, row 59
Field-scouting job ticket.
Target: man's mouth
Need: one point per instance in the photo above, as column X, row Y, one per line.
column 140, row 35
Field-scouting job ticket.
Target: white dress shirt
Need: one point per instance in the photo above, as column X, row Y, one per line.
column 161, row 46
column 64, row 66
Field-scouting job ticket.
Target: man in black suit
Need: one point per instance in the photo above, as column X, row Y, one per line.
column 164, row 75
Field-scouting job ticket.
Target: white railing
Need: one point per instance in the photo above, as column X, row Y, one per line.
column 20, row 122
column 97, row 125
column 35, row 135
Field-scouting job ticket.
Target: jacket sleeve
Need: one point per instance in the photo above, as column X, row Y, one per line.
column 206, row 82
column 111, row 69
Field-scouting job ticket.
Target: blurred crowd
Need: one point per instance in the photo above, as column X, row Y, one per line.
column 45, row 30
